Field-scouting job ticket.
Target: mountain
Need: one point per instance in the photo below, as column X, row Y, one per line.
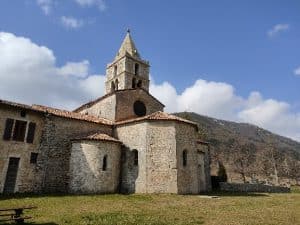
column 248, row 153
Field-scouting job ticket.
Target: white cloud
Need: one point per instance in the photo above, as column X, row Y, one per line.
column 80, row 69
column 45, row 5
column 219, row 100
column 29, row 74
column 100, row 4
column 297, row 71
column 71, row 22
column 278, row 28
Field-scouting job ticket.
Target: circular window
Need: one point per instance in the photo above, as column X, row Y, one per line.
column 139, row 108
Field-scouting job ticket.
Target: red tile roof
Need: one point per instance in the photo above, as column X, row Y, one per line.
column 72, row 115
column 157, row 116
column 59, row 112
column 98, row 137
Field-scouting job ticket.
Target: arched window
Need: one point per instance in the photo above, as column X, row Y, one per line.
column 133, row 82
column 136, row 69
column 117, row 84
column 115, row 70
column 135, row 157
column 113, row 87
column 139, row 84
column 184, row 157
column 104, row 163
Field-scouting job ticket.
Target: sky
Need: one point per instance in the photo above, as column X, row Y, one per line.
column 236, row 60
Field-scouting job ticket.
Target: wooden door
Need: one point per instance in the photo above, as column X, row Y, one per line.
column 11, row 175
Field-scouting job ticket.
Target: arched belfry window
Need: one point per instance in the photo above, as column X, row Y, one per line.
column 136, row 69
column 115, row 70
column 135, row 157
column 117, row 84
column 184, row 157
column 139, row 84
column 113, row 87
column 133, row 82
column 104, row 163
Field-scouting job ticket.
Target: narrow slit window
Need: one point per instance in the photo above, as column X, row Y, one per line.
column 104, row 163
column 184, row 157
column 135, row 157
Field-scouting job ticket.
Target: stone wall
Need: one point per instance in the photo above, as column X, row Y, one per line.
column 156, row 171
column 125, row 101
column 28, row 173
column 134, row 137
column 194, row 177
column 87, row 174
column 119, row 105
column 161, row 157
column 56, row 149
column 105, row 108
column 239, row 187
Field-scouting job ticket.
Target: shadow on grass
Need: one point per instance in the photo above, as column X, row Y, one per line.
column 136, row 197
column 31, row 223
column 237, row 194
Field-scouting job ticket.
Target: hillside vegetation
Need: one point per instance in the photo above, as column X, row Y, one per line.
column 249, row 153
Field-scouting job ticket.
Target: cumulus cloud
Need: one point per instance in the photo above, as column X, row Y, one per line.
column 71, row 22
column 219, row 100
column 29, row 74
column 278, row 28
column 45, row 5
column 100, row 4
column 297, row 71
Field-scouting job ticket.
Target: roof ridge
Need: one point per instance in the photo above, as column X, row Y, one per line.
column 93, row 102
column 157, row 116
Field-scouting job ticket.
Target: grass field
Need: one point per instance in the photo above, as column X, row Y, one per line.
column 229, row 209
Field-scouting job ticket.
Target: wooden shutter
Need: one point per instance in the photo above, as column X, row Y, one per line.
column 8, row 129
column 31, row 131
column 20, row 130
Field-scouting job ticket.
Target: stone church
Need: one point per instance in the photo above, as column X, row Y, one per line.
column 122, row 142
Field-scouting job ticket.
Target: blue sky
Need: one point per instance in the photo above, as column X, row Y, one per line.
column 250, row 46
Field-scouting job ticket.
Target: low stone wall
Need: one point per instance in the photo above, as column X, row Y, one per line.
column 236, row 187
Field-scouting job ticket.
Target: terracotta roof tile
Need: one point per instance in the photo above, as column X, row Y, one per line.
column 58, row 112
column 157, row 116
column 72, row 115
column 98, row 137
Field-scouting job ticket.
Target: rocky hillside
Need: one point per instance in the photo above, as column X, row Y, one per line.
column 249, row 153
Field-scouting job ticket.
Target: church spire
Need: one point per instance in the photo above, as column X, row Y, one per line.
column 128, row 46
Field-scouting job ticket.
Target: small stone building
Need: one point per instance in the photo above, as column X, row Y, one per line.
column 122, row 142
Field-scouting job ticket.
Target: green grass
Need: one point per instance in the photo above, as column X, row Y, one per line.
column 229, row 209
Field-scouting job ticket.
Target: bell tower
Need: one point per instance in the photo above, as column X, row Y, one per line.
column 128, row 70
